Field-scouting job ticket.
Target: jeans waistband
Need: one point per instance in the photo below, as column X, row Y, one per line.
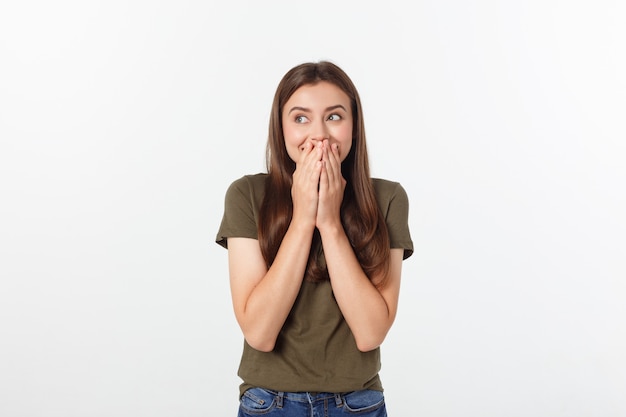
column 307, row 397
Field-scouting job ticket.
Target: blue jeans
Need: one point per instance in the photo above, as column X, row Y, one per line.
column 262, row 402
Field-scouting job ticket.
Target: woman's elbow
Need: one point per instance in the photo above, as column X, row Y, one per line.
column 262, row 347
column 369, row 344
column 262, row 344
column 256, row 337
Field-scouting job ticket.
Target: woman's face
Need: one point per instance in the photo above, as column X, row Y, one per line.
column 314, row 113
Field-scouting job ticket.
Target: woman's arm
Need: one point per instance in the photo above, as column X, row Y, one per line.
column 369, row 312
column 262, row 298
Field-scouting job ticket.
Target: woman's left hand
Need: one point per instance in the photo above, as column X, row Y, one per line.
column 332, row 186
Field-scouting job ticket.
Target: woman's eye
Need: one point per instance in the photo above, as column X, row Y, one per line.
column 301, row 119
column 334, row 117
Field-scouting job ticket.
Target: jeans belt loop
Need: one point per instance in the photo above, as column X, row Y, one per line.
column 281, row 396
column 338, row 400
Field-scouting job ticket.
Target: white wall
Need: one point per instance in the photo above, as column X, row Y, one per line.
column 123, row 122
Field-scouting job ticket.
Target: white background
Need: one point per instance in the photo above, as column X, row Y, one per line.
column 123, row 122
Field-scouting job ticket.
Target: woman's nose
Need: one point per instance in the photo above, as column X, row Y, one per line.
column 319, row 131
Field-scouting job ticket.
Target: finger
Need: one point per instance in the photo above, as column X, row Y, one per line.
column 314, row 159
column 308, row 156
column 334, row 164
column 335, row 155
column 327, row 167
column 305, row 150
column 323, row 177
column 316, row 172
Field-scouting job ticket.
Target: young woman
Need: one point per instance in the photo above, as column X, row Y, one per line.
column 315, row 248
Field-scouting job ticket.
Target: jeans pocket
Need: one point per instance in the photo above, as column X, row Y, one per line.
column 257, row 401
column 365, row 401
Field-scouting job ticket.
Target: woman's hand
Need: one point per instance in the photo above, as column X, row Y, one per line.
column 331, row 188
column 306, row 180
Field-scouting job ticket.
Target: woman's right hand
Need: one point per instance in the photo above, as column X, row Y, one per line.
column 306, row 178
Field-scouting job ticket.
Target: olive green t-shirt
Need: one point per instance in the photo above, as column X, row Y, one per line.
column 315, row 350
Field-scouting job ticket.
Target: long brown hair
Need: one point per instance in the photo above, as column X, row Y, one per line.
column 360, row 215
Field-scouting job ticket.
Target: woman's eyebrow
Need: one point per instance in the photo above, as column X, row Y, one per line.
column 298, row 108
column 306, row 110
column 336, row 106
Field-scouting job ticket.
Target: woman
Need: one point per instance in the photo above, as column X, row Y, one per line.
column 315, row 248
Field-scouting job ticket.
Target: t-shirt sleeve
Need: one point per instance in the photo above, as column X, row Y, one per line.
column 239, row 219
column 398, row 221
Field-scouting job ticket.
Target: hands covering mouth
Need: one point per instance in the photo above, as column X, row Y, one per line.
column 318, row 185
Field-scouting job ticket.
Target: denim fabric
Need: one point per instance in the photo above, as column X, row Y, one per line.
column 262, row 402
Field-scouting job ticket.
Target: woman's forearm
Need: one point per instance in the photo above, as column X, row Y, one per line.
column 368, row 312
column 271, row 300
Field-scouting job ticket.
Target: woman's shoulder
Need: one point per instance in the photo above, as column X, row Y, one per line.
column 246, row 189
column 387, row 189
column 382, row 182
column 249, row 181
